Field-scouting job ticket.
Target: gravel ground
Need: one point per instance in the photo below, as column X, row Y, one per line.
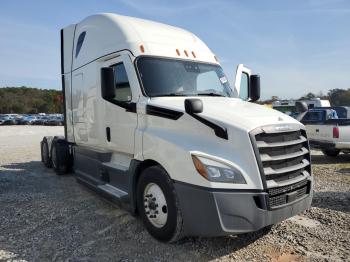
column 44, row 217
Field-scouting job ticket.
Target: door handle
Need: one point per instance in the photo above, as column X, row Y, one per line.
column 108, row 134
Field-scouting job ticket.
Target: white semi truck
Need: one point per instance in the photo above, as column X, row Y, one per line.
column 152, row 123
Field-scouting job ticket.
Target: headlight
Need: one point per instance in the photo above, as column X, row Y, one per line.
column 215, row 171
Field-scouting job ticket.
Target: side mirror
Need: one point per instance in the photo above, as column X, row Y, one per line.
column 107, row 83
column 254, row 88
column 301, row 107
column 193, row 106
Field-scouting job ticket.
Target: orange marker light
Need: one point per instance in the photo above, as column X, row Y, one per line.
column 194, row 55
column 142, row 49
column 185, row 53
column 200, row 167
column 178, row 52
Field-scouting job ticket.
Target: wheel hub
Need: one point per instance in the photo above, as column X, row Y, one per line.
column 155, row 205
column 152, row 205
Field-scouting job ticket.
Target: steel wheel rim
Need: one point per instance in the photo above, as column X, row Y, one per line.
column 155, row 205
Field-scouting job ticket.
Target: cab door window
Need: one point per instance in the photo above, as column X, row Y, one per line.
column 122, row 85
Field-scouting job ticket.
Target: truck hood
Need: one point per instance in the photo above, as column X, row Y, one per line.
column 229, row 111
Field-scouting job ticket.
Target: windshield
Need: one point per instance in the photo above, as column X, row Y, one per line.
column 170, row 77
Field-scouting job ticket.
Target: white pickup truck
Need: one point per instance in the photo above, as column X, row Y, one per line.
column 329, row 134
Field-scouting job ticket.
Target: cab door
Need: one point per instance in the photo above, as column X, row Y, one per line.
column 120, row 118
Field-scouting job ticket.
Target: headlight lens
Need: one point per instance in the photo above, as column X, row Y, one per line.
column 216, row 171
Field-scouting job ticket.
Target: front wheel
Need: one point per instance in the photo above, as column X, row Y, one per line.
column 331, row 152
column 158, row 205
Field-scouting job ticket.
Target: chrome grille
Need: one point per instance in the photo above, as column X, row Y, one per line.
column 284, row 162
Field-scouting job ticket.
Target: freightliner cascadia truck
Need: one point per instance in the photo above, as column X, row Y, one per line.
column 152, row 123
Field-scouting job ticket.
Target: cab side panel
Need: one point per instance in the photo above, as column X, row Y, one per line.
column 79, row 106
column 86, row 103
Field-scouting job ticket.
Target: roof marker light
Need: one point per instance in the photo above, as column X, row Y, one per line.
column 178, row 52
column 142, row 49
column 194, row 55
column 186, row 53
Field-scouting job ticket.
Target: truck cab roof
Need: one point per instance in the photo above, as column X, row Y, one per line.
column 106, row 33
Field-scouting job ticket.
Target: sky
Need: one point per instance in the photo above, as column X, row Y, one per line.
column 295, row 46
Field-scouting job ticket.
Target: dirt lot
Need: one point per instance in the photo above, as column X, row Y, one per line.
column 44, row 217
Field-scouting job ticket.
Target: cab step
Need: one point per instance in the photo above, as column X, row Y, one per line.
column 113, row 191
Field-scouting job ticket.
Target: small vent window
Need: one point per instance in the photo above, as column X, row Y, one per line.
column 79, row 43
column 123, row 90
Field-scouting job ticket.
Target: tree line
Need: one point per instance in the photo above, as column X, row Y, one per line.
column 336, row 97
column 26, row 100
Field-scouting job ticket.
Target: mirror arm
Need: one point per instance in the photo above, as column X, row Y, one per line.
column 218, row 130
column 195, row 106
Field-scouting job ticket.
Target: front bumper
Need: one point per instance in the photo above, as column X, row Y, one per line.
column 208, row 212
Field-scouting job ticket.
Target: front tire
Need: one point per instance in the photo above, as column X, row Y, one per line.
column 331, row 152
column 158, row 205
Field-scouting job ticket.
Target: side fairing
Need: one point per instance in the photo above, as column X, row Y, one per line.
column 66, row 86
column 67, row 40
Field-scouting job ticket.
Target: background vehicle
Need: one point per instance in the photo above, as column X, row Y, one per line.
column 8, row 120
column 55, row 120
column 152, row 123
column 36, row 119
column 27, row 120
column 342, row 111
column 288, row 106
column 41, row 120
column 329, row 134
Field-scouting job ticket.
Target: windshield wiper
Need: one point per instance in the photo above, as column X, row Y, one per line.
column 183, row 94
column 171, row 94
column 210, row 94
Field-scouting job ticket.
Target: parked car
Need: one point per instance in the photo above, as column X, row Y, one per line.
column 27, row 120
column 56, row 120
column 41, row 120
column 327, row 132
column 2, row 120
column 8, row 120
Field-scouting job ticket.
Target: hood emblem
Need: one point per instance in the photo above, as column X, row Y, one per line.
column 283, row 128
